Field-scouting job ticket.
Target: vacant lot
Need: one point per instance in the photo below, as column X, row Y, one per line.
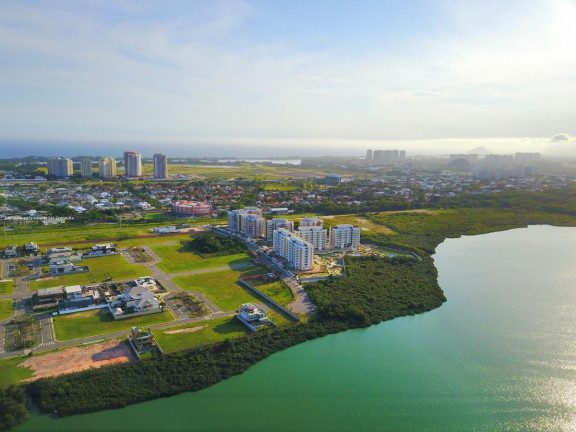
column 179, row 258
column 276, row 290
column 222, row 286
column 7, row 287
column 79, row 358
column 114, row 266
column 216, row 330
column 100, row 321
column 5, row 309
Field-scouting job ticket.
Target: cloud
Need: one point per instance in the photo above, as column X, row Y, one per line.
column 560, row 137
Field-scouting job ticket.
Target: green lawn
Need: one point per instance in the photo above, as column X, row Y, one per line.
column 100, row 321
column 5, row 309
column 222, row 286
column 115, row 266
column 276, row 290
column 179, row 258
column 11, row 373
column 7, row 287
column 218, row 329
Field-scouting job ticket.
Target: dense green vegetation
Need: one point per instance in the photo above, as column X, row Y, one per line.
column 13, row 409
column 210, row 244
column 377, row 289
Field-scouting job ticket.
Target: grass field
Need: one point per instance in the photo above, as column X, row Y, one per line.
column 179, row 258
column 10, row 373
column 5, row 309
column 218, row 330
column 100, row 321
column 276, row 290
column 115, row 266
column 221, row 286
column 7, row 287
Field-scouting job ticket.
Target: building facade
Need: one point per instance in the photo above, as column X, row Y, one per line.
column 107, row 167
column 316, row 235
column 60, row 167
column 253, row 226
column 236, row 217
column 274, row 224
column 132, row 164
column 191, row 208
column 86, row 168
column 160, row 166
column 297, row 252
column 311, row 221
column 344, row 237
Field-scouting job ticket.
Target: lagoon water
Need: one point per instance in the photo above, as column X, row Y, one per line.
column 500, row 355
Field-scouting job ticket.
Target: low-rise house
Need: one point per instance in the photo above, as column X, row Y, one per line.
column 11, row 251
column 64, row 268
column 70, row 257
column 31, row 249
column 56, row 250
column 253, row 317
column 101, row 250
column 136, row 300
column 47, row 297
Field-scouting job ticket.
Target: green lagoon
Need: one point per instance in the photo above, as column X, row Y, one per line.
column 500, row 355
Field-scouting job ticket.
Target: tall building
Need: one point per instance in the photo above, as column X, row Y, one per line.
column 368, row 155
column 253, row 225
column 86, row 168
column 107, row 167
column 333, row 179
column 316, row 235
column 236, row 217
column 311, row 221
column 344, row 237
column 160, row 166
column 298, row 252
column 60, row 167
column 274, row 224
column 132, row 164
column 382, row 156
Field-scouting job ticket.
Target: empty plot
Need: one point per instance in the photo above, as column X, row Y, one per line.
column 179, row 258
column 7, row 287
column 221, row 287
column 5, row 309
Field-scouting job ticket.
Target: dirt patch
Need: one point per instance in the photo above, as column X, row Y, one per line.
column 187, row 330
column 79, row 358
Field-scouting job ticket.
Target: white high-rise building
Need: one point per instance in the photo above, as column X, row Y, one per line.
column 298, row 252
column 107, row 167
column 86, row 168
column 132, row 164
column 236, row 217
column 160, row 166
column 311, row 221
column 60, row 167
column 253, row 225
column 344, row 237
column 316, row 235
column 274, row 224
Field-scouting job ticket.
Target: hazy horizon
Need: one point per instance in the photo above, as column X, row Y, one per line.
column 213, row 78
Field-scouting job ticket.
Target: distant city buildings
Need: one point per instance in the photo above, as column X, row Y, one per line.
column 132, row 164
column 333, row 179
column 86, row 168
column 497, row 167
column 160, row 166
column 60, row 167
column 107, row 167
column 383, row 156
column 297, row 252
column 191, row 208
column 344, row 237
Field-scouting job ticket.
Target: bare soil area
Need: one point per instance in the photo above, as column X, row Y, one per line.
column 187, row 330
column 76, row 359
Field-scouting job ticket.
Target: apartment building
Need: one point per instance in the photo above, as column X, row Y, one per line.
column 60, row 167
column 316, row 235
column 107, row 167
column 297, row 252
column 236, row 217
column 86, row 168
column 344, row 237
column 274, row 224
column 160, row 166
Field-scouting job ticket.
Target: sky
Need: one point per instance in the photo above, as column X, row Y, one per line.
column 277, row 77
